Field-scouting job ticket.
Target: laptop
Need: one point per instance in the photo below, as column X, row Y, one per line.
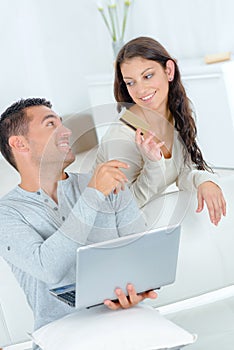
column 148, row 260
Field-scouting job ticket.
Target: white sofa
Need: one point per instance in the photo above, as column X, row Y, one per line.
column 202, row 298
column 206, row 264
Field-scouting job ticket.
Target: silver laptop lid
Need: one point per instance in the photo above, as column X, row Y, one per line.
column 148, row 260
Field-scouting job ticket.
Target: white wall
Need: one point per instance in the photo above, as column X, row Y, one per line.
column 188, row 28
column 48, row 47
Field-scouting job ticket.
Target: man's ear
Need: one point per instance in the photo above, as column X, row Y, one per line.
column 170, row 70
column 18, row 143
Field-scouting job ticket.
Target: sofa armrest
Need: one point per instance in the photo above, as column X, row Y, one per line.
column 16, row 318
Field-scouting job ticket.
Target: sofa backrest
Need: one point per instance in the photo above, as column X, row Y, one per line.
column 206, row 254
column 16, row 318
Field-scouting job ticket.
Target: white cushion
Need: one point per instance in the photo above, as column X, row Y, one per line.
column 20, row 346
column 99, row 328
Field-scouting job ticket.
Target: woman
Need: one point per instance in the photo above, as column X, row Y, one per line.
column 148, row 86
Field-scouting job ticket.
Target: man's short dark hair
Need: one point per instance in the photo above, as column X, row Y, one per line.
column 14, row 121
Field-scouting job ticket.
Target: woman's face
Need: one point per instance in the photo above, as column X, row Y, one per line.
column 148, row 82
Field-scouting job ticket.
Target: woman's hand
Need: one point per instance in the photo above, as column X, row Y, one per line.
column 212, row 194
column 133, row 298
column 148, row 146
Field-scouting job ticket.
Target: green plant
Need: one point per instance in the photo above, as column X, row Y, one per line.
column 116, row 18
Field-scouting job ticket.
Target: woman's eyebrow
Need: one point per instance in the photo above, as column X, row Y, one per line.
column 142, row 73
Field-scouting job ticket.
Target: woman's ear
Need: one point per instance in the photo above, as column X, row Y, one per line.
column 18, row 143
column 170, row 70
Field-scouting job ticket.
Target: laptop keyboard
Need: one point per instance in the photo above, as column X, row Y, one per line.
column 69, row 297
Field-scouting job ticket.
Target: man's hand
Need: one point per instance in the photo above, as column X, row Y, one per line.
column 108, row 177
column 148, row 146
column 212, row 195
column 133, row 298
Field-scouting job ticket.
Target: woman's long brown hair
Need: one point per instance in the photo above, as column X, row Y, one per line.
column 178, row 102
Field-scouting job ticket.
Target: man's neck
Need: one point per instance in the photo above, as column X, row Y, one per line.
column 47, row 180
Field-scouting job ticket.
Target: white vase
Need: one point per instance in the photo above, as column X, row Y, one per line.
column 117, row 45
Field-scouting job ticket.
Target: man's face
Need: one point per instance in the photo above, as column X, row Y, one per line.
column 48, row 138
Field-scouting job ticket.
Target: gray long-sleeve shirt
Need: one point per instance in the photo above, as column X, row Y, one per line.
column 39, row 237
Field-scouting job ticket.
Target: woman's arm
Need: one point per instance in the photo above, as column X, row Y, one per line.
column 208, row 191
column 145, row 176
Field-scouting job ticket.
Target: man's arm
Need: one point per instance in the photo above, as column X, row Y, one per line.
column 50, row 259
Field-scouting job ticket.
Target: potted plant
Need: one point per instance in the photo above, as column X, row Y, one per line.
column 114, row 14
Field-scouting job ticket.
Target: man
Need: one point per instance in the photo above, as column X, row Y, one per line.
column 51, row 213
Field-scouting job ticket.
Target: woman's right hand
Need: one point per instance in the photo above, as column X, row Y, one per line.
column 148, row 146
